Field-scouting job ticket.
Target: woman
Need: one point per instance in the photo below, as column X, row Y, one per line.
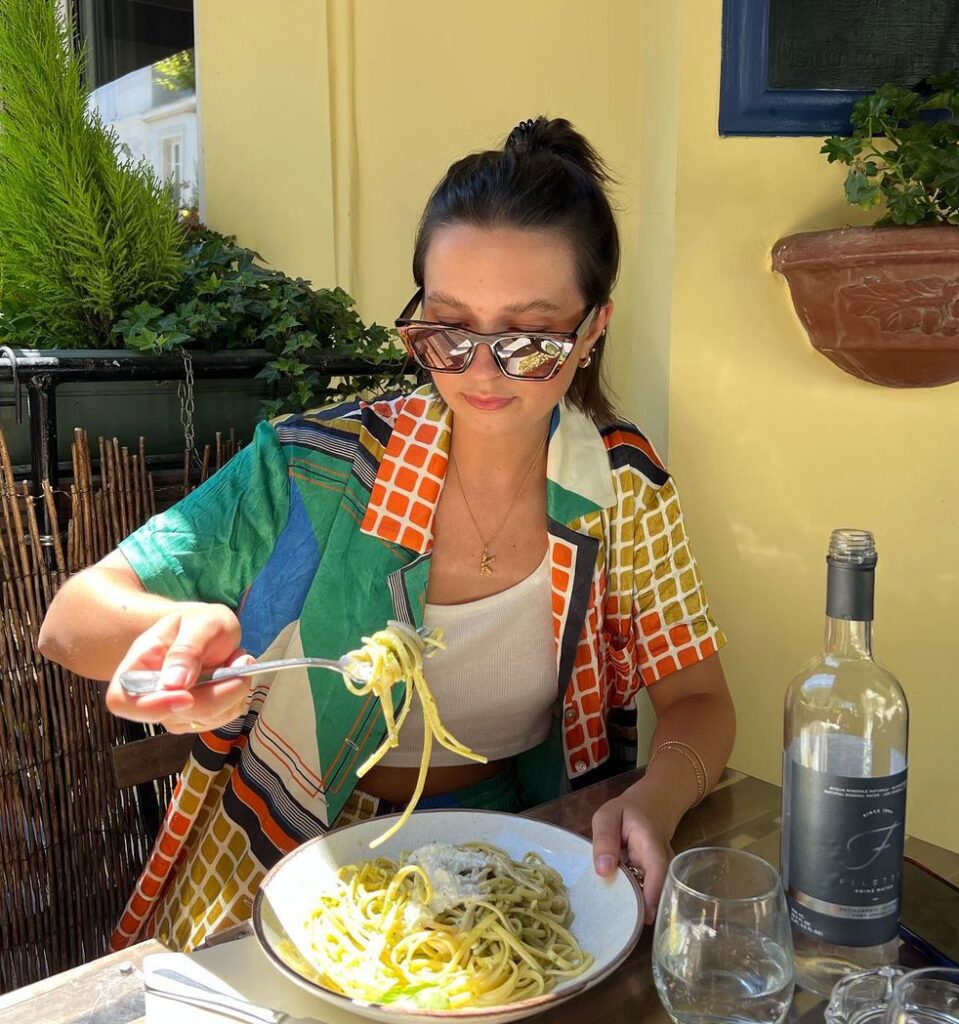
column 503, row 502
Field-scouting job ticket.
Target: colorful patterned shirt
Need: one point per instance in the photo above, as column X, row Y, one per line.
column 320, row 531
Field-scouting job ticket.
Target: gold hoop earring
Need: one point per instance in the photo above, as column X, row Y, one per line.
column 583, row 363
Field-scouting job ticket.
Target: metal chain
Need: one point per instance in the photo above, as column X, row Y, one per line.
column 184, row 392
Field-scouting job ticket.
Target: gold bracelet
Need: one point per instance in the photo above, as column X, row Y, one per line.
column 690, row 760
column 694, row 760
column 698, row 756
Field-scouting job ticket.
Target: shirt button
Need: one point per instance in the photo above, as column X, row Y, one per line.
column 570, row 714
column 579, row 767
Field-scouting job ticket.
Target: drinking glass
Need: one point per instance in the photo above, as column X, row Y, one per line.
column 722, row 949
column 929, row 996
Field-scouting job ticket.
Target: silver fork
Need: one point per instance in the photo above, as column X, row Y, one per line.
column 140, row 681
column 183, row 988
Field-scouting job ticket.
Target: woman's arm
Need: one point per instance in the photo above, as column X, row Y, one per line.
column 203, row 552
column 103, row 621
column 693, row 707
column 96, row 615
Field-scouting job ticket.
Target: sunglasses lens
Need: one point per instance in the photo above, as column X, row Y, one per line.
column 437, row 349
column 534, row 356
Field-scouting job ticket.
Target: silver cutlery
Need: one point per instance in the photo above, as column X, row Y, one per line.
column 140, row 681
column 172, row 984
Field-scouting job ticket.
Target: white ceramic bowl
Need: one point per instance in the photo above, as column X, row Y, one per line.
column 607, row 921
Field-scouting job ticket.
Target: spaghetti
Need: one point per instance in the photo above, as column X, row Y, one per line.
column 446, row 927
column 392, row 655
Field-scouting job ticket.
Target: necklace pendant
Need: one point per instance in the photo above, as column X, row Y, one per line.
column 486, row 563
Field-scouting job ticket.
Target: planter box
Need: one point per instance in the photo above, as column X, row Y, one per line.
column 128, row 394
column 131, row 409
column 881, row 303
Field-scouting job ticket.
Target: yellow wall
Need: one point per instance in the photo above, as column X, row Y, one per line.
column 325, row 128
column 773, row 446
column 265, row 117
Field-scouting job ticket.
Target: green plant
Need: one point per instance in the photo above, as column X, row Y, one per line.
column 904, row 149
column 226, row 299
column 83, row 233
column 176, row 73
column 94, row 253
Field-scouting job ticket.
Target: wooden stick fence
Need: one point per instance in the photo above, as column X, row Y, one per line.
column 71, row 843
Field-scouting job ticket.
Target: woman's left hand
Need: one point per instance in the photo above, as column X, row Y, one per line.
column 625, row 823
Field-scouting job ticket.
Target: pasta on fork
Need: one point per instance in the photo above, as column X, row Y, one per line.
column 392, row 655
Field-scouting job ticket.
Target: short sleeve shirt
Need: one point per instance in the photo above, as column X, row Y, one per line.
column 320, row 531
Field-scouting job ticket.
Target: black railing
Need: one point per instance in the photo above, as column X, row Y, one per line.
column 39, row 372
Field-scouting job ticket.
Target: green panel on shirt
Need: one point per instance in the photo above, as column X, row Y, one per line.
column 211, row 545
column 350, row 598
column 564, row 506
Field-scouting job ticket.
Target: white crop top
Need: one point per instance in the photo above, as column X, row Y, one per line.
column 495, row 683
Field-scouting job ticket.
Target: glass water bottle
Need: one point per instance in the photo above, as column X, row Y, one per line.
column 844, row 785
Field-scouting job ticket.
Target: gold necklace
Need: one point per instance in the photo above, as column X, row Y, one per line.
column 486, row 559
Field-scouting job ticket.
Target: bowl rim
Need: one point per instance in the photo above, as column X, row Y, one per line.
column 558, row 994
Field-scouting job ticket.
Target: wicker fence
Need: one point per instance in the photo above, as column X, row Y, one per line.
column 71, row 843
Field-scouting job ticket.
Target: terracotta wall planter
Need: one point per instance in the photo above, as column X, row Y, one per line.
column 882, row 303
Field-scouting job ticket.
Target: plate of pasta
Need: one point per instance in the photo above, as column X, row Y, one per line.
column 462, row 914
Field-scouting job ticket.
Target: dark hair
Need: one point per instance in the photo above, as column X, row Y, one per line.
column 546, row 177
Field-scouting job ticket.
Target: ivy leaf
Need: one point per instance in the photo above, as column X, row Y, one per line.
column 144, row 311
column 289, row 366
column 227, row 298
column 303, row 392
column 143, row 340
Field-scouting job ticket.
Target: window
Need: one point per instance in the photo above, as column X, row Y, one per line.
column 142, row 77
column 795, row 67
column 172, row 169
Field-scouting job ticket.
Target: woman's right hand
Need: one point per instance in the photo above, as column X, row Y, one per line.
column 192, row 638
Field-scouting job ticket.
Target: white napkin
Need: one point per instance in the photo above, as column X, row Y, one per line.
column 237, row 968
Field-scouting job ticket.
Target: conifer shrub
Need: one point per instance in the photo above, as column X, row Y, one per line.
column 94, row 252
column 83, row 233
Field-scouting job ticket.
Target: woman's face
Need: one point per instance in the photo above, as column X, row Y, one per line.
column 504, row 279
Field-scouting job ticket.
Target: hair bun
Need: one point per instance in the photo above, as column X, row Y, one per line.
column 529, row 135
column 557, row 136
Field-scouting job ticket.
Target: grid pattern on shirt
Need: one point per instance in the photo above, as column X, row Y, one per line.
column 407, row 488
column 203, row 875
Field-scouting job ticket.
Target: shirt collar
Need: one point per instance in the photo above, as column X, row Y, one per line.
column 579, row 478
column 413, row 469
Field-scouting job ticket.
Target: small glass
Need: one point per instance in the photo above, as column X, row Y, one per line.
column 929, row 996
column 863, row 997
column 722, row 949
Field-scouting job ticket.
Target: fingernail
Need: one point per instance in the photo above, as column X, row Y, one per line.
column 605, row 864
column 174, row 677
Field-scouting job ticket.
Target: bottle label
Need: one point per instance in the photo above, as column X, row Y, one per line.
column 842, row 858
